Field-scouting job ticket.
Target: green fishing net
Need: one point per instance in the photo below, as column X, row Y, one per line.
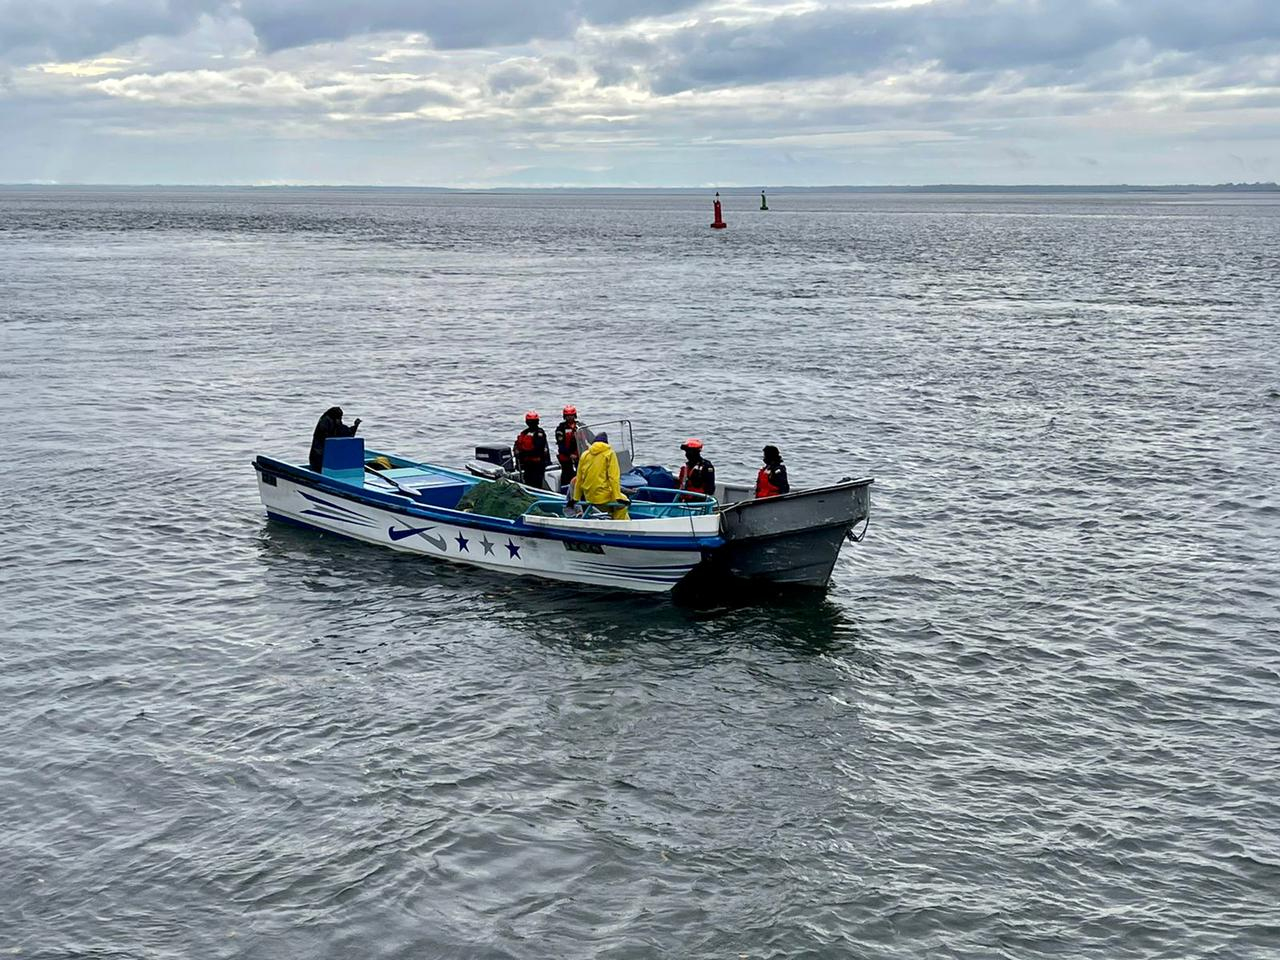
column 499, row 498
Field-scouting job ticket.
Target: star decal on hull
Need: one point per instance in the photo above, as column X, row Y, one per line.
column 513, row 550
column 462, row 543
column 488, row 546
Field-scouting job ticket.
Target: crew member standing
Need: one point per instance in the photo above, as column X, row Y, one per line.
column 599, row 481
column 329, row 425
column 533, row 456
column 698, row 474
column 771, row 481
column 567, row 445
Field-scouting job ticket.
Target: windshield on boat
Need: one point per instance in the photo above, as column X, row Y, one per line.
column 620, row 439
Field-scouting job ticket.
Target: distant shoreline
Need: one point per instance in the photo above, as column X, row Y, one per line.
column 937, row 188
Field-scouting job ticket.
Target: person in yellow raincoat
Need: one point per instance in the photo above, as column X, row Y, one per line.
column 599, row 481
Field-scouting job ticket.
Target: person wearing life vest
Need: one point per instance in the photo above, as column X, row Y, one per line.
column 532, row 453
column 567, row 445
column 771, row 481
column 599, row 481
column 697, row 474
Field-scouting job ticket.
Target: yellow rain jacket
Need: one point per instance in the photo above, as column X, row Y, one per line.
column 599, row 481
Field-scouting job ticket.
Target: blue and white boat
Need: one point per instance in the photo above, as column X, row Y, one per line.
column 414, row 508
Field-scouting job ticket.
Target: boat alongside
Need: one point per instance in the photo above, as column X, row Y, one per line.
column 793, row 539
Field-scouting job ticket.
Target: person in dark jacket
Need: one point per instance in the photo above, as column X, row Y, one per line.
column 567, row 445
column 533, row 455
column 697, row 474
column 329, row 425
column 771, row 481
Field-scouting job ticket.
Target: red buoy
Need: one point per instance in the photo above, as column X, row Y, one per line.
column 718, row 223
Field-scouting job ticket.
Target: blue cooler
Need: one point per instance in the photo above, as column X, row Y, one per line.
column 344, row 459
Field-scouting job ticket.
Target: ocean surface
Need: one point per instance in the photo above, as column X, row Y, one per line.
column 1036, row 715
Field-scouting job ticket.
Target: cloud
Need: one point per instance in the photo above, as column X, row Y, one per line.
column 247, row 87
column 72, row 29
column 451, row 24
column 263, row 89
column 33, row 30
column 1021, row 157
column 955, row 36
column 514, row 74
column 410, row 100
column 650, row 91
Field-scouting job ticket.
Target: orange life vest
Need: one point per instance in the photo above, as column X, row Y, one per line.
column 567, row 443
column 531, row 447
column 699, row 477
column 764, row 484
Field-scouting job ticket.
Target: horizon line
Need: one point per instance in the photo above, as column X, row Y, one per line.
column 953, row 186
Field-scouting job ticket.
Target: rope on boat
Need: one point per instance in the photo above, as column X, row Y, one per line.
column 866, row 522
column 857, row 537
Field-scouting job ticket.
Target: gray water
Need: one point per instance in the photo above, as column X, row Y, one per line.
column 1035, row 716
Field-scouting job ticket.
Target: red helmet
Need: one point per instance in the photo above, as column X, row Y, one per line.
column 693, row 443
column 531, row 415
column 570, row 410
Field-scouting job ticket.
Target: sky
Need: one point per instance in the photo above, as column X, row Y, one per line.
column 639, row 93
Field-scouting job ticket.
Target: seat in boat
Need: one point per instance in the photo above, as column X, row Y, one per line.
column 429, row 487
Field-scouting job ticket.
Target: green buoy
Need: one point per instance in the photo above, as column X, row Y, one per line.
column 764, row 204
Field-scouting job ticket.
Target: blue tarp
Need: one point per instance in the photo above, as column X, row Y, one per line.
column 650, row 476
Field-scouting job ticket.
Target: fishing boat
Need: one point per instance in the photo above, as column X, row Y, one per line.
column 789, row 540
column 420, row 508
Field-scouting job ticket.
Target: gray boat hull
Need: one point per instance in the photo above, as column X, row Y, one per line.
column 793, row 539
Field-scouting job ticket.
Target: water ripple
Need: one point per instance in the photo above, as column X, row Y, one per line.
column 1035, row 716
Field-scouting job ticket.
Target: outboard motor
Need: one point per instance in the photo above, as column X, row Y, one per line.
column 493, row 461
column 499, row 453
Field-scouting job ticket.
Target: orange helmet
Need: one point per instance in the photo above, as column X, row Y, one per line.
column 693, row 443
column 531, row 415
column 570, row 410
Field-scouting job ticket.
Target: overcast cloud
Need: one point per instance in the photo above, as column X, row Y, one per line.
column 639, row 92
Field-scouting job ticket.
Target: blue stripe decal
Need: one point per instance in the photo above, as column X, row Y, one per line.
column 633, row 576
column 333, row 506
column 303, row 525
column 615, row 576
column 655, row 567
column 334, row 514
column 610, row 568
column 337, row 518
column 675, row 568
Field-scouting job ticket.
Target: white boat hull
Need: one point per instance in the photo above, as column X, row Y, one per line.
column 653, row 570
